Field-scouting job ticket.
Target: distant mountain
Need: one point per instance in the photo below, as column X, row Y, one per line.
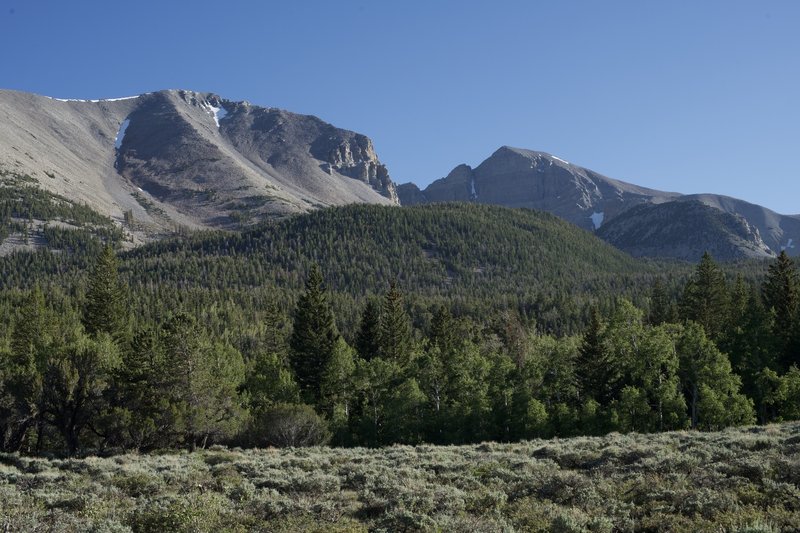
column 181, row 158
column 515, row 177
column 779, row 232
column 684, row 230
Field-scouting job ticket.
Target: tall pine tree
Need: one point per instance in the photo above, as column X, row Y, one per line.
column 313, row 337
column 706, row 298
column 781, row 292
column 661, row 309
column 367, row 345
column 106, row 306
column 595, row 374
column 395, row 328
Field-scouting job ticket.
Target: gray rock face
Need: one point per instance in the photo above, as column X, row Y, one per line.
column 187, row 158
column 684, row 230
column 409, row 194
column 515, row 177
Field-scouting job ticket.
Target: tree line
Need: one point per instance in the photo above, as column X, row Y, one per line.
column 83, row 373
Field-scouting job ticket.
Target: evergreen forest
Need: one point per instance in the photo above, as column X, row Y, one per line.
column 370, row 326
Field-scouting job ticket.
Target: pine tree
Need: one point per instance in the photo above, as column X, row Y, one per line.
column 269, row 382
column 106, row 306
column 706, row 298
column 751, row 344
column 142, row 418
column 313, row 337
column 32, row 329
column 367, row 344
column 660, row 305
column 781, row 292
column 443, row 334
column 595, row 373
column 395, row 329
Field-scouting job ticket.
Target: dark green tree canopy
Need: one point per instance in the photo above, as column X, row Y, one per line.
column 706, row 298
column 781, row 290
column 394, row 337
column 106, row 305
column 313, row 337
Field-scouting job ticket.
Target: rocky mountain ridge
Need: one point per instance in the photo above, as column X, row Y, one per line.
column 684, row 230
column 515, row 177
column 180, row 158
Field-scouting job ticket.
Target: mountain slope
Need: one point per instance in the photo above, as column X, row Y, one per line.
column 683, row 230
column 515, row 177
column 437, row 248
column 181, row 158
column 476, row 257
column 779, row 232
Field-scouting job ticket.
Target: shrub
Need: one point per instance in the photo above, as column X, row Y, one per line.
column 289, row 425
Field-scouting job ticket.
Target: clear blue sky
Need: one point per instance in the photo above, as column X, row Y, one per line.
column 690, row 96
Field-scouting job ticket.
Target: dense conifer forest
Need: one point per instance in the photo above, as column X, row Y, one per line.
column 370, row 326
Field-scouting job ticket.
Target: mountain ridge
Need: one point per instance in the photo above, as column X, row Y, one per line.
column 178, row 158
column 516, row 177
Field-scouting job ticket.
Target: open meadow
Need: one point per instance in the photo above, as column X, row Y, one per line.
column 745, row 479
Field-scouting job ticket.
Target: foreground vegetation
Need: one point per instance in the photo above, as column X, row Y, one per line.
column 745, row 480
column 82, row 375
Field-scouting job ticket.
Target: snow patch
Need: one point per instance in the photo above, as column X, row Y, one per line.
column 559, row 159
column 121, row 133
column 597, row 219
column 218, row 113
column 95, row 101
column 116, row 99
column 789, row 245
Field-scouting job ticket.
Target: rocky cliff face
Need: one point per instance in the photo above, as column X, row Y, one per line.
column 515, row 177
column 183, row 158
column 684, row 230
column 355, row 157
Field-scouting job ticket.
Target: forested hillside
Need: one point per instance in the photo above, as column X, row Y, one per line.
column 366, row 325
column 474, row 258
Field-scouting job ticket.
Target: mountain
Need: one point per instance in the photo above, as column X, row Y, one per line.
column 779, row 232
column 176, row 158
column 684, row 230
column 515, row 177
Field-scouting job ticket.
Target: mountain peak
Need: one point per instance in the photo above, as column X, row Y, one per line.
column 517, row 177
column 533, row 155
column 180, row 157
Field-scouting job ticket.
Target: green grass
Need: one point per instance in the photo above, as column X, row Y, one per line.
column 736, row 480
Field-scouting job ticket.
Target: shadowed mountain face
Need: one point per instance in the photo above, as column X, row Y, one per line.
column 684, row 230
column 184, row 158
column 515, row 177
